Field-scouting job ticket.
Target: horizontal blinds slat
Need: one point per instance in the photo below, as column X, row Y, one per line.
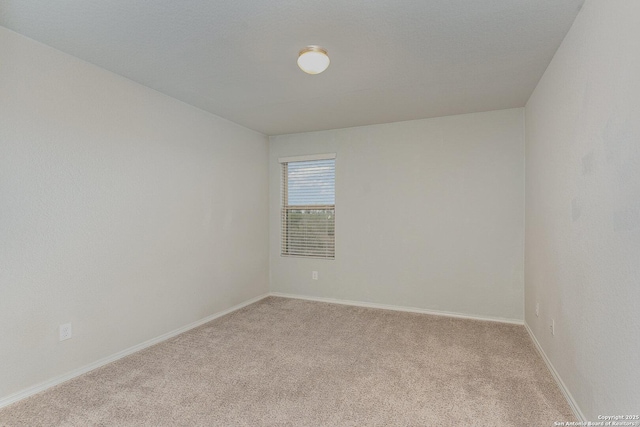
column 316, row 236
column 308, row 157
column 318, row 243
column 318, row 231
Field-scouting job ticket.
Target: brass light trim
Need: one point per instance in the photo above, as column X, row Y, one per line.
column 313, row 48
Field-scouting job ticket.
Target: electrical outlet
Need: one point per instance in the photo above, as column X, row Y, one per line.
column 553, row 327
column 537, row 309
column 314, row 275
column 65, row 331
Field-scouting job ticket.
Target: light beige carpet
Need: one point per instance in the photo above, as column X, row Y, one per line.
column 289, row 362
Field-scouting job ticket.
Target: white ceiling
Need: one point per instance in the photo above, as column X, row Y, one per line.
column 391, row 60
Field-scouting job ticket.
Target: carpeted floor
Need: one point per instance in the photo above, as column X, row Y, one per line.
column 296, row 363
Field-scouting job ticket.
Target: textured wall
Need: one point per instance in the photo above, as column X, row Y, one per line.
column 583, row 209
column 123, row 211
column 429, row 214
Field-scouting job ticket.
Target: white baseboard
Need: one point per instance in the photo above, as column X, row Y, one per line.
column 567, row 394
column 77, row 372
column 399, row 308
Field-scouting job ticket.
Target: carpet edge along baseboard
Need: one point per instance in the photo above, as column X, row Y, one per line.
column 44, row 385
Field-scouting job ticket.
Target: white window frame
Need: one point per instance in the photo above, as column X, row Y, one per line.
column 285, row 208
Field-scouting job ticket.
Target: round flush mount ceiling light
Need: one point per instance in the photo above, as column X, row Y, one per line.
column 313, row 60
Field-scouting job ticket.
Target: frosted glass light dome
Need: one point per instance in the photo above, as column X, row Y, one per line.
column 313, row 60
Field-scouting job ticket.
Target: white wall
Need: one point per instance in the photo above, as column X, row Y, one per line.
column 429, row 214
column 123, row 211
column 583, row 209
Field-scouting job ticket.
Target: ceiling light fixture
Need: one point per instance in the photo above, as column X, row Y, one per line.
column 313, row 60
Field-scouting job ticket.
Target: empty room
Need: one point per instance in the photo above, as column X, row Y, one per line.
column 329, row 213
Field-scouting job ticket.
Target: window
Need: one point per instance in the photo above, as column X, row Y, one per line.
column 308, row 206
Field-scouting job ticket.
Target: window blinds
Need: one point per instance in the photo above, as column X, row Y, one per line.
column 308, row 207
